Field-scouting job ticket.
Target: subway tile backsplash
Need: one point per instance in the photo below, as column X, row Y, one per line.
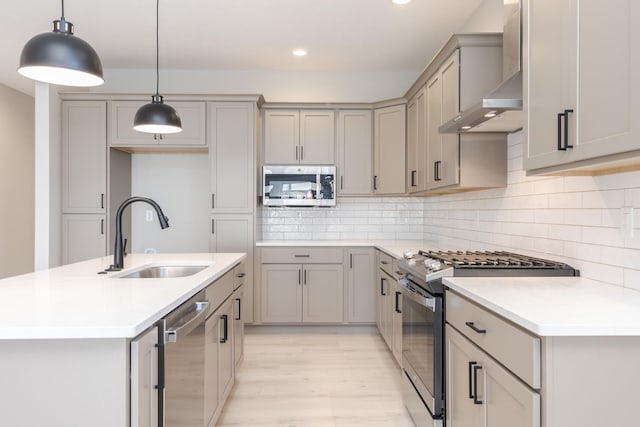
column 591, row 223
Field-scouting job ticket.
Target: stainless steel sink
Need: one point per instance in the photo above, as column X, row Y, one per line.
column 164, row 271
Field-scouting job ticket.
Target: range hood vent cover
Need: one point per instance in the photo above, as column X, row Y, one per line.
column 500, row 110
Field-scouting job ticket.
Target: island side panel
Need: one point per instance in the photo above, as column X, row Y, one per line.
column 590, row 381
column 64, row 383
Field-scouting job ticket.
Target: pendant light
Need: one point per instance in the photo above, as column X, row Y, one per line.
column 157, row 117
column 61, row 58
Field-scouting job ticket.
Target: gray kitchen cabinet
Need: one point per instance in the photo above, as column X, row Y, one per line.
column 417, row 142
column 303, row 137
column 396, row 322
column 354, row 152
column 235, row 233
column 481, row 392
column 84, row 157
column 144, row 379
column 302, row 285
column 580, row 89
column 361, row 285
column 83, row 237
column 302, row 293
column 232, row 156
column 192, row 115
column 385, row 297
column 468, row 161
column 389, row 137
column 219, row 361
column 238, row 326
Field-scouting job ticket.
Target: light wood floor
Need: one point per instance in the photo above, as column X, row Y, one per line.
column 316, row 376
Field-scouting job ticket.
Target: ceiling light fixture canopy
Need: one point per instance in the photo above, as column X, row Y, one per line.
column 157, row 117
column 61, row 58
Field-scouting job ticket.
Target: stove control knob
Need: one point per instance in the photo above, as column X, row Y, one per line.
column 436, row 265
column 408, row 255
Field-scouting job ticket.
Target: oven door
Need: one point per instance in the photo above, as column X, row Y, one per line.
column 422, row 344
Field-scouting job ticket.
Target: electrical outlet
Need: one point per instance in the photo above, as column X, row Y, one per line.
column 148, row 215
column 628, row 221
column 150, row 251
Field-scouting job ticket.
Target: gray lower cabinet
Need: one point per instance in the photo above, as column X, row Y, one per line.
column 144, row 379
column 360, row 285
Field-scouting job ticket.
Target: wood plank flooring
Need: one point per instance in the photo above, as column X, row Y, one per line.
column 316, row 376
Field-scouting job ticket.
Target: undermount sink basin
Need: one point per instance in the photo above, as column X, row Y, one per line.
column 164, row 271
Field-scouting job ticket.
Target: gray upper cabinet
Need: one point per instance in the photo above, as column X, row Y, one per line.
column 232, row 156
column 389, row 150
column 84, row 157
column 417, row 142
column 192, row 115
column 303, row 137
column 580, row 90
column 355, row 152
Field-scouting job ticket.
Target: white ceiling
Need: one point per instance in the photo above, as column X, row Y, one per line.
column 340, row 35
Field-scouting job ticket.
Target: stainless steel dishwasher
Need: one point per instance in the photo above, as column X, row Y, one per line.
column 183, row 364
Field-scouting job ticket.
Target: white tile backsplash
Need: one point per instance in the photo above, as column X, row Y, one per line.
column 575, row 219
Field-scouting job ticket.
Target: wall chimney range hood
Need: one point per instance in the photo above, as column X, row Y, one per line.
column 501, row 109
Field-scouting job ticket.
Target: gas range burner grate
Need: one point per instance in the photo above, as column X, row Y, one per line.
column 492, row 260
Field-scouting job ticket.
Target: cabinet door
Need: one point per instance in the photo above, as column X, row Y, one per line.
column 322, row 293
column 449, row 168
column 396, row 322
column 434, row 137
column 238, row 326
column 212, row 397
column 417, row 142
column 389, row 150
column 481, row 389
column 84, row 156
column 83, row 237
column 355, row 152
column 192, row 115
column 226, row 361
column 361, row 286
column 232, row 157
column 144, row 380
column 387, row 308
column 235, row 233
column 317, row 137
column 281, row 293
column 281, row 137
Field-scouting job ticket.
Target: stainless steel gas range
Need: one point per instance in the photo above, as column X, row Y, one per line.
column 423, row 316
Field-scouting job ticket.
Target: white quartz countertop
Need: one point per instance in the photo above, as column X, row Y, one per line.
column 556, row 306
column 395, row 248
column 74, row 301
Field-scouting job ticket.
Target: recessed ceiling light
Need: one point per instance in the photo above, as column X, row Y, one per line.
column 401, row 1
column 299, row 52
column 465, row 128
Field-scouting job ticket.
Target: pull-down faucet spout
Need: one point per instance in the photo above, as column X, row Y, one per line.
column 118, row 251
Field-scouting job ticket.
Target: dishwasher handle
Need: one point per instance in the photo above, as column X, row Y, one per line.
column 172, row 333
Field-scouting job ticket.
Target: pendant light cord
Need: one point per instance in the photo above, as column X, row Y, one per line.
column 62, row 9
column 157, row 47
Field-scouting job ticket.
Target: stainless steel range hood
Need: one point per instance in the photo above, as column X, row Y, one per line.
column 501, row 109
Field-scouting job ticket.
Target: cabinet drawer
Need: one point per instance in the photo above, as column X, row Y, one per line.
column 301, row 255
column 217, row 292
column 516, row 349
column 385, row 262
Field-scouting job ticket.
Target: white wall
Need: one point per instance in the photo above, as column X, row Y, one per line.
column 179, row 183
column 16, row 182
column 487, row 18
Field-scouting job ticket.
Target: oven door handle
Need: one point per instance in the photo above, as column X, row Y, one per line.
column 429, row 303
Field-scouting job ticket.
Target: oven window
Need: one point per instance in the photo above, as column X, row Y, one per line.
column 418, row 340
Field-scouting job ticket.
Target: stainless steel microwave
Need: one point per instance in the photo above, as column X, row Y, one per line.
column 299, row 186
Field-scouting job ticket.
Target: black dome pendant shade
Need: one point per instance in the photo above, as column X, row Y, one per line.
column 61, row 58
column 157, row 117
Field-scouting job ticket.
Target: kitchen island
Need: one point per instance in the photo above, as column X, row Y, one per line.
column 65, row 335
column 545, row 351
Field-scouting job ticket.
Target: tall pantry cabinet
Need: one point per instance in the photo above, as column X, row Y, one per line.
column 84, row 180
column 232, row 154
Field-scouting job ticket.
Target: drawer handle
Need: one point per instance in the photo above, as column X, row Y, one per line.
column 384, row 262
column 302, row 256
column 241, row 275
column 475, row 328
column 476, row 401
